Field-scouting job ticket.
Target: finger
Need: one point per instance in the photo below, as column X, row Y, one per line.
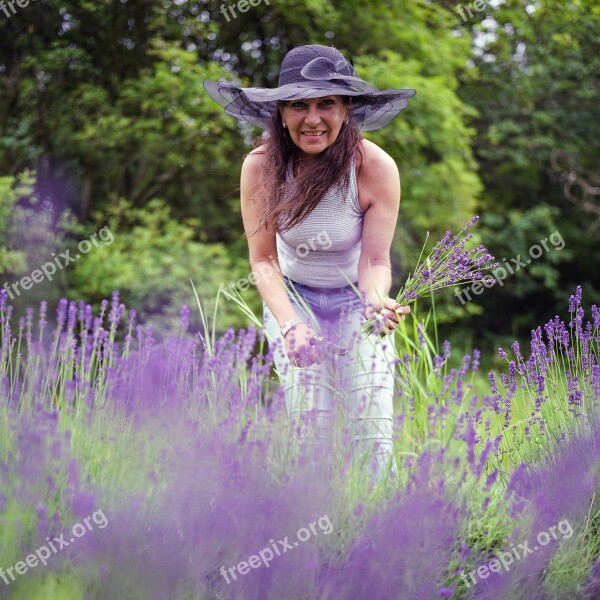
column 370, row 312
column 308, row 356
column 400, row 315
column 296, row 356
column 385, row 327
column 390, row 315
column 391, row 325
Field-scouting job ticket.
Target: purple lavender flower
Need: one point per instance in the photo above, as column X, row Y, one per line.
column 184, row 315
column 493, row 384
column 449, row 264
column 61, row 313
column 447, row 349
column 596, row 315
column 438, row 363
column 595, row 380
column 575, row 300
column 517, row 350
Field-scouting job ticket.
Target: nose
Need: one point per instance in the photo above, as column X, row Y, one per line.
column 312, row 118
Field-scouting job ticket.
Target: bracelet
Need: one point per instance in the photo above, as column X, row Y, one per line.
column 289, row 324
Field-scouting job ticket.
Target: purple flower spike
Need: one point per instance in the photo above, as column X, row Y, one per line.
column 575, row 300
column 596, row 315
column 449, row 264
column 184, row 315
column 61, row 313
column 447, row 349
column 3, row 298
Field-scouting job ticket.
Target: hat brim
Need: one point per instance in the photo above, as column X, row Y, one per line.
column 371, row 108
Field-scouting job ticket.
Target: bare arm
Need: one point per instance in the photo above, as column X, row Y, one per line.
column 266, row 271
column 382, row 185
column 261, row 246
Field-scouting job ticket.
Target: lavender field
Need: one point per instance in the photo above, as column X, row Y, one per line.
column 146, row 451
column 139, row 466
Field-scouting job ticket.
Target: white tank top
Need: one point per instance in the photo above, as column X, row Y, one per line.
column 324, row 249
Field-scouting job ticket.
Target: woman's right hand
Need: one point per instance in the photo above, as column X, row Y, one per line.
column 298, row 347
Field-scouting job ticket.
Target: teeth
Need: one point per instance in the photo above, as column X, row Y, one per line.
column 313, row 134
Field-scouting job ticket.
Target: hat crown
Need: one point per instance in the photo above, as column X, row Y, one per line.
column 296, row 59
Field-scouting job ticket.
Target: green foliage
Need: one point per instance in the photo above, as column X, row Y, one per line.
column 511, row 237
column 113, row 107
column 116, row 104
column 30, row 232
column 151, row 261
column 12, row 260
column 535, row 92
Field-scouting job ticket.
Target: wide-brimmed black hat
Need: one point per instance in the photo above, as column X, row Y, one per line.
column 311, row 72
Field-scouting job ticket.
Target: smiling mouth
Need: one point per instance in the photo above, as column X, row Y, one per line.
column 313, row 133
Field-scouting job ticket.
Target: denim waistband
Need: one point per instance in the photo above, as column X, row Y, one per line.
column 325, row 302
column 318, row 289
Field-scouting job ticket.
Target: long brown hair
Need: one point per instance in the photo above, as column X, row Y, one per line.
column 294, row 200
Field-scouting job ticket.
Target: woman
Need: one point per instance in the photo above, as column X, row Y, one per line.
column 319, row 206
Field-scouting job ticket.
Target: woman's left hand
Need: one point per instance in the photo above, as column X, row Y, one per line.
column 387, row 311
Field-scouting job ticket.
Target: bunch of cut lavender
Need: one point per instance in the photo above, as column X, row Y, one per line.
column 449, row 264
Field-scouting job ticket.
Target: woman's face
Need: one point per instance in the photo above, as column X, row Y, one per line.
column 314, row 123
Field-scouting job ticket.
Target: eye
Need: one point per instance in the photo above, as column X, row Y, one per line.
column 297, row 105
column 328, row 102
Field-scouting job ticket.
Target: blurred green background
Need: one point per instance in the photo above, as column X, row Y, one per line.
column 104, row 122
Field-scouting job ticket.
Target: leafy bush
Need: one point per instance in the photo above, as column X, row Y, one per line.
column 151, row 260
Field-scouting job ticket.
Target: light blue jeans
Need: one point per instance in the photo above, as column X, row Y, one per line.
column 360, row 382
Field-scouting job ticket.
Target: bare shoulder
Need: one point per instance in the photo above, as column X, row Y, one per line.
column 377, row 176
column 254, row 158
column 374, row 161
column 252, row 166
column 257, row 152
